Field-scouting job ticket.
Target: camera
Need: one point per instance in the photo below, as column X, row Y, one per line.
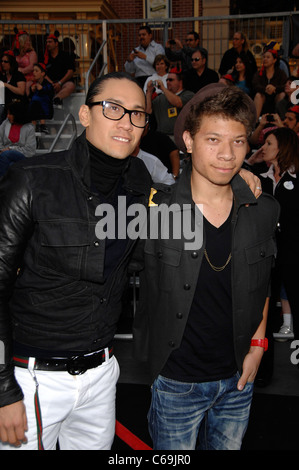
column 172, row 42
column 270, row 118
column 155, row 83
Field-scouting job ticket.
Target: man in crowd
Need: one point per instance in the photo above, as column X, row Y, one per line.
column 176, row 52
column 200, row 75
column 167, row 106
column 61, row 282
column 269, row 122
column 60, row 70
column 202, row 317
column 141, row 59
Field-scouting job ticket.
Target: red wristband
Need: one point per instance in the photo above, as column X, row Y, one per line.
column 263, row 343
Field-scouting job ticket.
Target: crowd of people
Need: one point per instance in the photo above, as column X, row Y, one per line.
column 205, row 315
column 37, row 82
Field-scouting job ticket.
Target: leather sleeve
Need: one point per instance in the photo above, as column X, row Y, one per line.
column 15, row 228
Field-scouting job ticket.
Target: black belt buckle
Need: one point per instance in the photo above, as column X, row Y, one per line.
column 75, row 366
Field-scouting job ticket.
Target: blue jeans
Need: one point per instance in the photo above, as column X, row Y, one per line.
column 205, row 416
column 7, row 158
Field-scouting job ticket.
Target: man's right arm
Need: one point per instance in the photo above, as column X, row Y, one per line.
column 16, row 226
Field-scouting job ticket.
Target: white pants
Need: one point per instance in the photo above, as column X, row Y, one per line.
column 76, row 410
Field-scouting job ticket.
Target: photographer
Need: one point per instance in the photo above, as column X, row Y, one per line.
column 269, row 122
column 266, row 123
column 161, row 66
column 140, row 61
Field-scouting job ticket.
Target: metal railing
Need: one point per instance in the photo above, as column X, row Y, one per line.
column 57, row 139
column 73, row 135
column 101, row 46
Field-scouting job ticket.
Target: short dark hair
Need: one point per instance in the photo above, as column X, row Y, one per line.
column 147, row 29
column 160, row 57
column 195, row 34
column 19, row 110
column 98, row 84
column 203, row 52
column 229, row 103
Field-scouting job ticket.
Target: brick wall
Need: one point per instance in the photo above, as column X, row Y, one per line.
column 128, row 38
column 134, row 8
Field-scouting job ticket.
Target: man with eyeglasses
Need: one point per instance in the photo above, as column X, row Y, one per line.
column 200, row 75
column 61, row 284
column 167, row 106
column 177, row 52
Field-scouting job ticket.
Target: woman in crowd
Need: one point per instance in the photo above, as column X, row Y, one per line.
column 13, row 80
column 268, row 83
column 161, row 66
column 41, row 98
column 281, row 152
column 242, row 73
column 17, row 136
column 27, row 57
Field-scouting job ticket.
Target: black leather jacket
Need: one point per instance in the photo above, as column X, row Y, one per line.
column 60, row 300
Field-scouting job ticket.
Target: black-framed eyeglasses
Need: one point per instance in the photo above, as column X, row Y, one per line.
column 196, row 59
column 5, row 61
column 169, row 79
column 116, row 112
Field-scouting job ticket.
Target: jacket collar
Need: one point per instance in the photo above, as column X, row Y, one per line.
column 242, row 193
column 136, row 177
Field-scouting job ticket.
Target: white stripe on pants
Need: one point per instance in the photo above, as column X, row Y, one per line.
column 77, row 410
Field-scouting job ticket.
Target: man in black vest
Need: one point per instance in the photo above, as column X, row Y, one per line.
column 201, row 323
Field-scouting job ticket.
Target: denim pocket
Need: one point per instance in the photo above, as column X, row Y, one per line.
column 172, row 387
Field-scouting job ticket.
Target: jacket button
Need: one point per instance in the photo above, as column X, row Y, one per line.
column 187, row 286
column 96, row 244
column 159, row 254
column 194, row 254
column 263, row 254
column 179, row 315
column 89, row 198
column 171, row 344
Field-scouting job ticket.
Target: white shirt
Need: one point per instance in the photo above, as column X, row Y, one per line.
column 156, row 77
column 270, row 174
column 155, row 167
column 144, row 67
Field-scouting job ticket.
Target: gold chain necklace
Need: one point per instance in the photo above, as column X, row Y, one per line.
column 217, row 268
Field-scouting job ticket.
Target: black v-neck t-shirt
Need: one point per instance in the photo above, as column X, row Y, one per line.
column 206, row 352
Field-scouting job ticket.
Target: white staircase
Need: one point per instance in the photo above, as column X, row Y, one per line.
column 64, row 127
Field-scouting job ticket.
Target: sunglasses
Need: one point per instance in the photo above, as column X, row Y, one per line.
column 169, row 79
column 5, row 61
column 196, row 59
